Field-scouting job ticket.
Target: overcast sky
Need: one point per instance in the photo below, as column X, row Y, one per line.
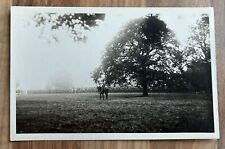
column 41, row 62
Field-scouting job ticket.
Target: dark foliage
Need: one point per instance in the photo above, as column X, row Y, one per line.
column 75, row 23
column 146, row 54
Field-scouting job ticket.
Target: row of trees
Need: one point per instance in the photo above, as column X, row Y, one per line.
column 147, row 54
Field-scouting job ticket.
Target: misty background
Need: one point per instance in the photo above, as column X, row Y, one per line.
column 49, row 59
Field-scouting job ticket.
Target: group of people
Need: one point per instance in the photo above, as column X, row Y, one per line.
column 103, row 91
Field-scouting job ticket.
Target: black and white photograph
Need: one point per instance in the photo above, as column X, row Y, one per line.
column 105, row 73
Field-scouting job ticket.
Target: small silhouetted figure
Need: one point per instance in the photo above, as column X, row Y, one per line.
column 102, row 90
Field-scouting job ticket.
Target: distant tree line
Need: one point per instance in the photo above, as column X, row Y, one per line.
column 78, row 90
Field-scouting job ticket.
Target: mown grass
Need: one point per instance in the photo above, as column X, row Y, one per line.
column 121, row 113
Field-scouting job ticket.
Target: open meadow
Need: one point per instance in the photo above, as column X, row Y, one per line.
column 121, row 113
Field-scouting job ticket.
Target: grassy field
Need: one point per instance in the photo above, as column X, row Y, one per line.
column 122, row 112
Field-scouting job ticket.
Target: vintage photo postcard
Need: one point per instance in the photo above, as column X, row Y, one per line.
column 113, row 74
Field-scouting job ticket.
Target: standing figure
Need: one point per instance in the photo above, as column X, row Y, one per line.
column 102, row 90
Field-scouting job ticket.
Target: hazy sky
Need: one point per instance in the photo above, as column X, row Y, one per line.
column 41, row 62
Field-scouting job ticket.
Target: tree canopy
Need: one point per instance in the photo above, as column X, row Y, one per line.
column 198, row 57
column 76, row 23
column 139, row 55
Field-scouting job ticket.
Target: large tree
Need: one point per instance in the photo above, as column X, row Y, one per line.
column 139, row 55
column 198, row 44
column 198, row 55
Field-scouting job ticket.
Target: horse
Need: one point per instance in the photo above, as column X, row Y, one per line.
column 103, row 90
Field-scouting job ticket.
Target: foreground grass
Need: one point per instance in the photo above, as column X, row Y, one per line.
column 121, row 113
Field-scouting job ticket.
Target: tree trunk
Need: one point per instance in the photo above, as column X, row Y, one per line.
column 145, row 88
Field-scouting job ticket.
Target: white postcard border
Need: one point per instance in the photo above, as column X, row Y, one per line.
column 111, row 136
